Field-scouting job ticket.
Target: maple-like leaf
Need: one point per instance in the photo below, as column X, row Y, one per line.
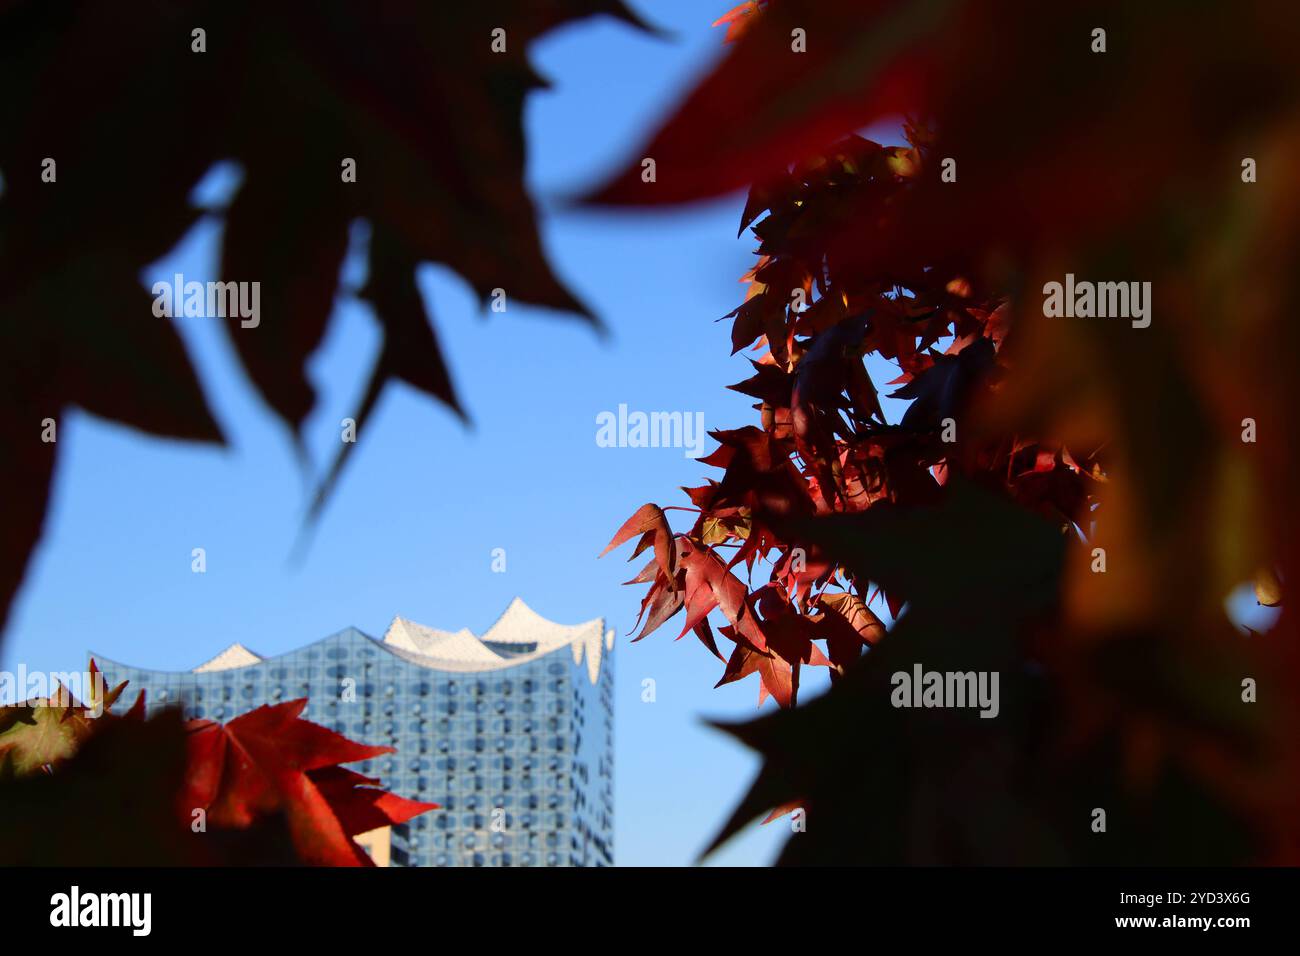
column 775, row 675
column 271, row 761
column 413, row 92
column 651, row 524
column 42, row 733
column 38, row 734
column 937, row 393
column 847, row 625
column 779, row 668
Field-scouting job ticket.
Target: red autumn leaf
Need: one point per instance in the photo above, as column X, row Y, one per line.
column 789, row 647
column 786, row 808
column 649, row 520
column 661, row 602
column 700, row 599
column 774, row 674
column 271, row 761
column 360, row 804
column 705, row 633
column 847, row 625
column 739, row 19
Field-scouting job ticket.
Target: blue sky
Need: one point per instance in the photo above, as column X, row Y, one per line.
column 424, row 501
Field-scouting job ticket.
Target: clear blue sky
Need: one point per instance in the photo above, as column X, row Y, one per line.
column 424, row 501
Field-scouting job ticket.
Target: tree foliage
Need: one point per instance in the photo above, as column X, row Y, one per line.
column 134, row 115
column 84, row 786
column 1031, row 446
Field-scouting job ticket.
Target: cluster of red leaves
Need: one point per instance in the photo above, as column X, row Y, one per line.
column 823, row 446
column 1120, row 689
column 267, row 787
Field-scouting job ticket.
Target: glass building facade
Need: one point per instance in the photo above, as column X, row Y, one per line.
column 511, row 733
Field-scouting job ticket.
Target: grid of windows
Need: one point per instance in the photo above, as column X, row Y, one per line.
column 517, row 759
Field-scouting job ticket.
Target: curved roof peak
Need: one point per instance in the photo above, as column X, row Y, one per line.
column 518, row 625
column 236, row 655
column 460, row 646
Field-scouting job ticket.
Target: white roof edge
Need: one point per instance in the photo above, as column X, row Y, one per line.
column 236, row 655
column 464, row 651
column 518, row 624
column 512, row 626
